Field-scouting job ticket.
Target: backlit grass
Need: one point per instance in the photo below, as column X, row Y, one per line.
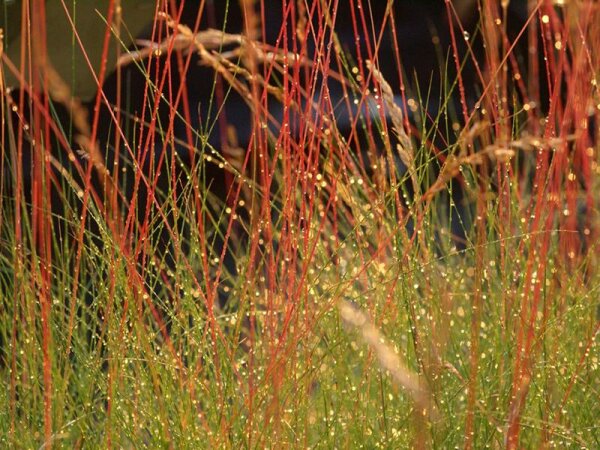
column 372, row 267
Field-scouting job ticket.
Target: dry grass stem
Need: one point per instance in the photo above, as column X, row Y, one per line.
column 387, row 357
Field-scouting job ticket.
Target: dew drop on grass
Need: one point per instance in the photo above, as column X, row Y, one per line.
column 466, row 35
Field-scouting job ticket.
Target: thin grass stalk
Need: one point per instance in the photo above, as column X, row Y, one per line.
column 390, row 362
column 42, row 258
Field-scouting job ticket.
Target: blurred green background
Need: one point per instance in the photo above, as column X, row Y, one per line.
column 64, row 50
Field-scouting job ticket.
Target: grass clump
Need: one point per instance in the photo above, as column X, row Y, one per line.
column 360, row 267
